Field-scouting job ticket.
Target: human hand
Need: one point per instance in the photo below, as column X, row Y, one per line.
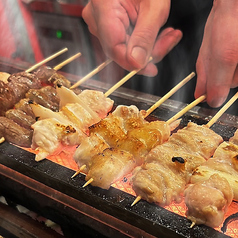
column 128, row 31
column 218, row 57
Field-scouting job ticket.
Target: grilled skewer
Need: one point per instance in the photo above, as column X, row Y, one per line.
column 190, row 142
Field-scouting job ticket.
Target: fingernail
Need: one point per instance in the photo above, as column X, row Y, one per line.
column 217, row 102
column 139, row 54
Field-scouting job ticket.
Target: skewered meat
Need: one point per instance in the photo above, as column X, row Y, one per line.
column 46, row 96
column 15, row 133
column 109, row 166
column 90, row 146
column 50, row 133
column 224, row 162
column 18, row 84
column 207, row 201
column 48, row 75
column 20, row 117
column 95, row 100
column 193, row 144
column 24, row 106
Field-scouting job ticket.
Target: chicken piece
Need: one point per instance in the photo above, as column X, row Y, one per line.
column 207, row 202
column 181, row 147
column 15, row 133
column 224, row 162
column 197, row 139
column 130, row 117
column 157, row 183
column 97, row 101
column 109, row 130
column 20, row 117
column 110, row 166
column 92, row 145
column 151, row 134
column 135, row 147
column 50, row 133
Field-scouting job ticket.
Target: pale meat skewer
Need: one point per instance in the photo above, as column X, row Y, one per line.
column 213, row 185
column 130, row 112
column 71, row 108
column 5, row 76
column 106, row 179
column 159, row 162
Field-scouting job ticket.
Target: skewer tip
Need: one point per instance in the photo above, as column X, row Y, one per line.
column 2, row 139
column 88, row 182
column 192, row 225
column 138, row 198
column 79, row 171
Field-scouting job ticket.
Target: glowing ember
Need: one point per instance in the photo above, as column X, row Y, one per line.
column 65, row 158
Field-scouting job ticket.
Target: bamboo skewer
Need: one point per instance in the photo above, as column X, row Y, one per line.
column 92, row 73
column 123, row 80
column 209, row 124
column 170, row 93
column 61, row 65
column 46, row 60
column 222, row 110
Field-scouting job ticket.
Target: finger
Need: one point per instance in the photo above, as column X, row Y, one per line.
column 143, row 38
column 166, row 41
column 87, row 15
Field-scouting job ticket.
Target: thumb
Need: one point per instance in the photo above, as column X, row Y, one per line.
column 152, row 15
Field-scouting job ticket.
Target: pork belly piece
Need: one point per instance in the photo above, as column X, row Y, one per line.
column 109, row 130
column 50, row 133
column 46, row 96
column 179, row 156
column 90, row 146
column 110, row 166
column 15, row 133
column 20, row 117
column 207, row 201
column 25, row 106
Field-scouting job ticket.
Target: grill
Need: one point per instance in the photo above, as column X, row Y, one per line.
column 46, row 187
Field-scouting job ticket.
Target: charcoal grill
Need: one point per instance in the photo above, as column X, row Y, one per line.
column 47, row 188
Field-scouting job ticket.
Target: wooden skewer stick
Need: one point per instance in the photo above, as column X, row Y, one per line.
column 222, row 110
column 79, row 171
column 187, row 108
column 2, row 140
column 88, row 182
column 209, row 124
column 92, row 73
column 123, row 80
column 170, row 93
column 46, row 60
column 61, row 65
